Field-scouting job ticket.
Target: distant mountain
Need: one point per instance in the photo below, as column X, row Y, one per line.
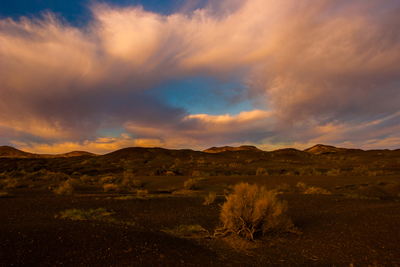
column 324, row 149
column 229, row 148
column 75, row 154
column 10, row 152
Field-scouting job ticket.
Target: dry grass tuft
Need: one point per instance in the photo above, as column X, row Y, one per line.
column 190, row 184
column 316, row 190
column 130, row 180
column 66, row 188
column 305, row 189
column 142, row 193
column 251, row 210
column 110, row 187
column 210, row 198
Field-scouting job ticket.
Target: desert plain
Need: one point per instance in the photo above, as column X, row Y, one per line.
column 161, row 207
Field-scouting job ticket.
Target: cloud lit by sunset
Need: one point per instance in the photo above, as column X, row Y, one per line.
column 267, row 73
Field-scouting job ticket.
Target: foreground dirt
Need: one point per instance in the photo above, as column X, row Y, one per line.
column 335, row 230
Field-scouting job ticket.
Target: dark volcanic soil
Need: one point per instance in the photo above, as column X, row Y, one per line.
column 335, row 231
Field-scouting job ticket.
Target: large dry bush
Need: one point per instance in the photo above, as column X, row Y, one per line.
column 251, row 210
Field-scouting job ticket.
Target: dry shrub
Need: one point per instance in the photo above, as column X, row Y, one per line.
column 190, row 184
column 210, row 198
column 283, row 188
column 307, row 170
column 110, row 187
column 55, row 176
column 251, row 210
column 305, row 189
column 11, row 183
column 187, row 230
column 333, row 172
column 302, row 186
column 86, row 179
column 66, row 188
column 142, row 193
column 261, row 171
column 360, row 171
column 108, row 179
column 316, row 190
column 135, row 183
column 130, row 181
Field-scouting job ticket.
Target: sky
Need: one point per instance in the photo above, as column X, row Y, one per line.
column 99, row 76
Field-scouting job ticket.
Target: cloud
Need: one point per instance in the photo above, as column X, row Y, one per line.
column 325, row 71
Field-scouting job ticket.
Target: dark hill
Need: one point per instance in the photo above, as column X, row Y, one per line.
column 10, row 152
column 75, row 154
column 324, row 149
column 229, row 148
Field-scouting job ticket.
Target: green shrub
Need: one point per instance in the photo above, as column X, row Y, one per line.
column 251, row 210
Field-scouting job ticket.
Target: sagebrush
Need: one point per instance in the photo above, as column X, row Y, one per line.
column 251, row 210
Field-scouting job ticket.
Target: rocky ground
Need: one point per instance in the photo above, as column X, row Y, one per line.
column 344, row 228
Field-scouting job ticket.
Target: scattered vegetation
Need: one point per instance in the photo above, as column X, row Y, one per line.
column 252, row 210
